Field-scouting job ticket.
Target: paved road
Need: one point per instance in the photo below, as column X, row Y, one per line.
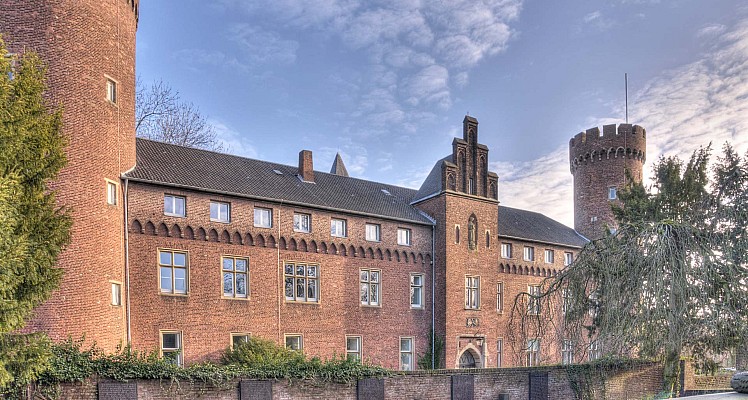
column 720, row 396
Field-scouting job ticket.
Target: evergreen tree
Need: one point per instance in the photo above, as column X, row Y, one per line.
column 671, row 280
column 33, row 229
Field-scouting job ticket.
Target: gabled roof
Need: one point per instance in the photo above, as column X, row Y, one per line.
column 191, row 168
column 536, row 227
column 433, row 183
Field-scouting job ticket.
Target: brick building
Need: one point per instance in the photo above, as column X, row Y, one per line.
column 188, row 251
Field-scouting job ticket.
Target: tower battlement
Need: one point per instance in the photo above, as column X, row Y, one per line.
column 624, row 141
column 135, row 5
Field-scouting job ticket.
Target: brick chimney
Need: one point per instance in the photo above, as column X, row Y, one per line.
column 306, row 166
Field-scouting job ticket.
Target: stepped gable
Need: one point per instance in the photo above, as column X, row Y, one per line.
column 536, row 227
column 191, row 168
column 338, row 168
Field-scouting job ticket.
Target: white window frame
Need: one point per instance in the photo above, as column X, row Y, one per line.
column 506, row 250
column 372, row 287
column 298, row 222
column 499, row 352
column 528, row 253
column 500, row 297
column 565, row 300
column 235, row 271
column 407, row 352
column 532, row 352
column 357, row 353
column 338, row 227
column 261, row 212
column 403, row 236
column 594, row 351
column 178, row 350
column 612, row 193
column 550, row 255
column 238, row 337
column 472, row 292
column 223, row 211
column 567, row 352
column 301, row 279
column 116, row 293
column 568, row 258
column 172, row 198
column 111, row 192
column 373, row 232
column 533, row 302
column 294, row 336
column 173, row 267
column 416, row 291
column 111, row 90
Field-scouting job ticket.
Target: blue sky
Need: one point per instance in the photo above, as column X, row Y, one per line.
column 387, row 83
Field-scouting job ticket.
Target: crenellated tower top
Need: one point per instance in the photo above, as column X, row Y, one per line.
column 599, row 161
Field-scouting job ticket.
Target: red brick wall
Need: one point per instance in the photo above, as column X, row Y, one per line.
column 597, row 164
column 206, row 319
column 82, row 43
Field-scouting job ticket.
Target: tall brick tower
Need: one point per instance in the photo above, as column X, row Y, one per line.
column 598, row 164
column 89, row 47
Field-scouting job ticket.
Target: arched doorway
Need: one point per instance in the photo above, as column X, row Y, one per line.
column 467, row 360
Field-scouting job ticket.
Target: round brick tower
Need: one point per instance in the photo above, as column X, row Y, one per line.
column 598, row 164
column 89, row 48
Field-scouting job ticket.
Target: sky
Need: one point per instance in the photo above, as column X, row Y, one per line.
column 387, row 83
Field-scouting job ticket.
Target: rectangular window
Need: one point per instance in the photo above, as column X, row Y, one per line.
column 472, row 292
column 111, row 193
column 370, row 280
column 549, row 256
column 529, row 253
column 406, row 354
column 372, row 232
column 301, row 282
column 533, row 302
column 171, row 347
column 500, row 297
column 302, row 222
column 499, row 352
column 353, row 347
column 295, row 342
column 612, row 193
column 235, row 277
column 220, row 211
column 416, row 290
column 263, row 217
column 532, row 356
column 506, row 250
column 403, row 236
column 173, row 271
column 111, row 90
column 338, row 228
column 568, row 258
column 174, row 205
column 565, row 300
column 567, row 352
column 594, row 350
column 239, row 338
column 116, row 294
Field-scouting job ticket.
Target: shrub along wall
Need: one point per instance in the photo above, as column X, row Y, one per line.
column 620, row 381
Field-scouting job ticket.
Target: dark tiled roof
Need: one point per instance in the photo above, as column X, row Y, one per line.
column 433, row 182
column 523, row 224
column 205, row 170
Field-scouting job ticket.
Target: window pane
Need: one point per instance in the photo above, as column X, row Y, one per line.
column 417, row 280
column 311, row 271
column 289, row 288
column 405, row 344
column 164, row 258
column 300, row 270
column 241, row 285
column 179, row 206
column 180, row 259
column 228, row 284
column 166, row 279
column 300, row 286
column 374, row 276
column 312, row 289
column 228, row 264
column 213, row 211
column 289, row 269
column 241, row 264
column 180, row 280
column 365, row 293
column 364, row 276
column 415, row 296
column 352, row 344
column 374, row 294
column 170, row 341
column 168, row 205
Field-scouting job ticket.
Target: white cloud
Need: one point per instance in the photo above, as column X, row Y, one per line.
column 233, row 142
column 711, row 30
column 592, row 16
column 682, row 109
column 262, row 46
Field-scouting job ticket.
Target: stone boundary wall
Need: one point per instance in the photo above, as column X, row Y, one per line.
column 542, row 383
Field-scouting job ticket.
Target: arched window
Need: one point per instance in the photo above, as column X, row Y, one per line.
column 488, row 239
column 472, row 233
column 457, row 234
